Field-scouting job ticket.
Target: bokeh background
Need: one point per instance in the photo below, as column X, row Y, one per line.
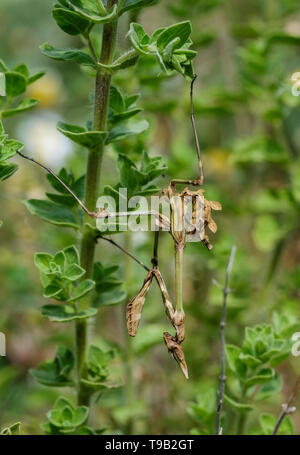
column 248, row 124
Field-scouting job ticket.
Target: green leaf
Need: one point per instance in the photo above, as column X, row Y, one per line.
column 121, row 131
column 66, row 313
column 77, row 186
column 97, row 386
column 52, row 291
column 81, row 290
column 134, row 4
column 97, row 364
column 140, row 39
column 42, row 261
column 79, row 135
column 15, row 84
column 35, row 77
column 65, row 416
column 71, row 254
column 108, row 290
column 203, row 411
column 12, row 430
column 268, row 422
column 72, row 55
column 24, row 105
column 270, row 388
column 232, row 355
column 182, row 31
column 80, row 415
column 262, row 376
column 70, row 21
column 110, row 298
column 3, row 66
column 116, row 100
column 125, row 60
column 22, row 69
column 240, row 407
column 119, row 112
column 10, row 148
column 284, row 38
column 56, row 373
column 73, row 272
column 51, row 212
column 89, row 9
column 170, row 46
column 7, row 170
column 125, row 115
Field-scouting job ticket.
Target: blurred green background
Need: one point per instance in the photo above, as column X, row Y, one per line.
column 248, row 124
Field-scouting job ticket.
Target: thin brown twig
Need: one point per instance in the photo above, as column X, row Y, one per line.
column 47, row 169
column 222, row 381
column 124, row 251
column 154, row 260
column 201, row 175
column 287, row 408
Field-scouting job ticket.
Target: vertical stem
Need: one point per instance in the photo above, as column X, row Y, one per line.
column 178, row 277
column 222, row 382
column 241, row 424
column 95, row 156
column 242, row 416
column 129, row 352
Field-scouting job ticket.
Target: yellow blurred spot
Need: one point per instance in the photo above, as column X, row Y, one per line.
column 217, row 161
column 46, row 90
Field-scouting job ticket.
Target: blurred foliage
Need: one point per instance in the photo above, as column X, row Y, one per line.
column 247, row 118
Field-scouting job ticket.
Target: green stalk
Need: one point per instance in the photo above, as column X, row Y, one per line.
column 102, row 87
column 178, row 277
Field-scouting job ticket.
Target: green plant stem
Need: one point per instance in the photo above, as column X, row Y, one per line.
column 241, row 424
column 242, row 418
column 103, row 81
column 178, row 277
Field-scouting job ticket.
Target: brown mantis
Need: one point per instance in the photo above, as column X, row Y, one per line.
column 183, row 228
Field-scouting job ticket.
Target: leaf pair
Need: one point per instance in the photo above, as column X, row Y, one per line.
column 170, row 45
column 137, row 181
column 253, row 363
column 56, row 373
column 120, row 107
column 108, row 288
column 65, row 418
column 61, row 209
column 59, row 274
column 120, row 111
column 76, row 17
column 97, row 370
column 16, row 82
column 8, row 149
